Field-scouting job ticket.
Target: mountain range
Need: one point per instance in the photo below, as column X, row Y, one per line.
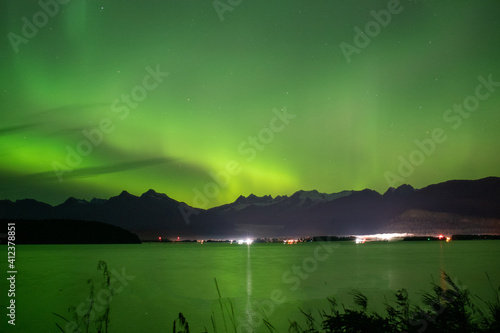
column 452, row 207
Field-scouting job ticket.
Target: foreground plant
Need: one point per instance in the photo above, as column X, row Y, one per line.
column 446, row 310
column 84, row 318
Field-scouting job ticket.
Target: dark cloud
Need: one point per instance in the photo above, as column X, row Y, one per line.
column 45, row 186
column 101, row 169
column 54, row 122
column 17, row 128
column 72, row 108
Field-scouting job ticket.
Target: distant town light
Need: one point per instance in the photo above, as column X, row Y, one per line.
column 380, row 237
column 360, row 240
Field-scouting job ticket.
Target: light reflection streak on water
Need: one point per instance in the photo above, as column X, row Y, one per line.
column 441, row 266
column 248, row 309
column 390, row 273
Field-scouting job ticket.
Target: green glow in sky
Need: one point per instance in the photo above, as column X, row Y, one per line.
column 263, row 97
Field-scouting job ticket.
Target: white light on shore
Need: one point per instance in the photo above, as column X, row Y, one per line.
column 360, row 240
column 380, row 237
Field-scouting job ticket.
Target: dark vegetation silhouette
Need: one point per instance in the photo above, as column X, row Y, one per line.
column 92, row 319
column 444, row 309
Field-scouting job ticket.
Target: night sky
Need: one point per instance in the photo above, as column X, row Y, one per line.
column 228, row 98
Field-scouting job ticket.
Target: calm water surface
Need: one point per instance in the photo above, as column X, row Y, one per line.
column 270, row 279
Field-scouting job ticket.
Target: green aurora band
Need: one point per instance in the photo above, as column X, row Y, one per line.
column 95, row 72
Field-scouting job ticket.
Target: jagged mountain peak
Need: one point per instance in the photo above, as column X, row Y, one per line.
column 389, row 191
column 240, row 199
column 97, row 201
column 123, row 195
column 252, row 198
column 29, row 201
column 315, row 195
column 404, row 189
column 343, row 213
column 312, row 194
column 153, row 194
column 74, row 201
column 150, row 193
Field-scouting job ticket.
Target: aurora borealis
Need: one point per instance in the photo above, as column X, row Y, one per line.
column 249, row 96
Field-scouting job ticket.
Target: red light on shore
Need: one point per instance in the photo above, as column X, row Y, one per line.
column 441, row 236
column 159, row 239
column 178, row 238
